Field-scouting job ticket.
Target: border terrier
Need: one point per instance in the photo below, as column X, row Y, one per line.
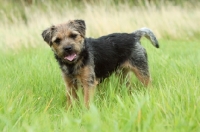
column 87, row 61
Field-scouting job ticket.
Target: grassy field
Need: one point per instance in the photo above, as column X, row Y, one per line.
column 32, row 92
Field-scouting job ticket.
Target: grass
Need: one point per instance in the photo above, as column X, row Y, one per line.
column 32, row 92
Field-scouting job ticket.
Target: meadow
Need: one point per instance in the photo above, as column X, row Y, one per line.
column 32, row 92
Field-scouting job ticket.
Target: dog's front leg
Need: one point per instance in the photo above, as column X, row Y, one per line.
column 89, row 83
column 71, row 87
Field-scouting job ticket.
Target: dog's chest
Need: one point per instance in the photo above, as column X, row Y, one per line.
column 70, row 70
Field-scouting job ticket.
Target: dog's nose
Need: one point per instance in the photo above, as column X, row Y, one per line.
column 68, row 48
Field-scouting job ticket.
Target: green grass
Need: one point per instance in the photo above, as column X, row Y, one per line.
column 32, row 94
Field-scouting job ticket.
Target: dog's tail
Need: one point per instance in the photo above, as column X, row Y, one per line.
column 148, row 34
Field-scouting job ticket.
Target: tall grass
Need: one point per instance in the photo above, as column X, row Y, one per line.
column 32, row 93
column 167, row 21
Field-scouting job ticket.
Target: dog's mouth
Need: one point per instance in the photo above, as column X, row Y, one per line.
column 70, row 57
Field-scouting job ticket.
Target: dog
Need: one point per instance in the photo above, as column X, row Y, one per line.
column 88, row 61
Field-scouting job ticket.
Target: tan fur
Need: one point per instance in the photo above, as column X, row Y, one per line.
column 126, row 67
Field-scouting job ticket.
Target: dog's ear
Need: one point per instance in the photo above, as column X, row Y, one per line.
column 48, row 34
column 80, row 26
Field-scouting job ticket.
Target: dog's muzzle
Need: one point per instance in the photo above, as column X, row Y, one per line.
column 69, row 54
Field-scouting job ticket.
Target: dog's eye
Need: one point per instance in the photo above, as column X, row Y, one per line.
column 73, row 36
column 57, row 40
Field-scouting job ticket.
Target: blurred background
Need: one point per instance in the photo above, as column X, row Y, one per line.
column 22, row 21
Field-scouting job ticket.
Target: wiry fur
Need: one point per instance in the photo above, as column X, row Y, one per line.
column 89, row 61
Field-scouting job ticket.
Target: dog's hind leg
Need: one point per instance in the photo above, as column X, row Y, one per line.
column 140, row 70
column 140, row 67
column 139, row 64
column 142, row 75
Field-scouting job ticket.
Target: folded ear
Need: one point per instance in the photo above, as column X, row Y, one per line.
column 48, row 34
column 80, row 26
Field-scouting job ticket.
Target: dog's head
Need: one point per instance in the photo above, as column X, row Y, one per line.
column 66, row 40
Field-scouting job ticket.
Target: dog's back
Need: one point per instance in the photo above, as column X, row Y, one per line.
column 110, row 51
